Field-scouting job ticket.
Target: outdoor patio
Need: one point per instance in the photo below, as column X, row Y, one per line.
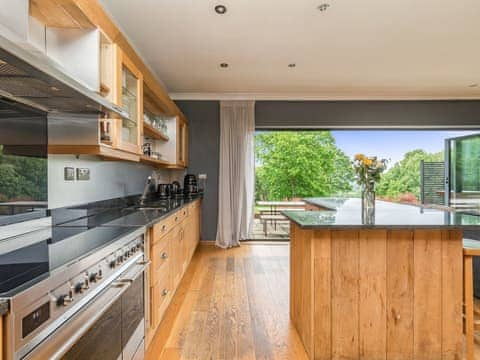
column 280, row 232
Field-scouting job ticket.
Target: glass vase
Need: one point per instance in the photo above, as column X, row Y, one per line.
column 368, row 205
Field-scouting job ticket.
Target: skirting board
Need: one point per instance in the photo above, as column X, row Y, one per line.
column 247, row 242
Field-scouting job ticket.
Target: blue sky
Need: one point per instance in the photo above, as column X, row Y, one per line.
column 392, row 144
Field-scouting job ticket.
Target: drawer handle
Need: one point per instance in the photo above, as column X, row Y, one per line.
column 164, row 227
column 164, row 255
column 176, row 218
column 164, row 292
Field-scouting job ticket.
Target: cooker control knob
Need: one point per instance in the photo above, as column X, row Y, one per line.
column 119, row 259
column 99, row 274
column 93, row 277
column 113, row 263
column 64, row 300
column 79, row 287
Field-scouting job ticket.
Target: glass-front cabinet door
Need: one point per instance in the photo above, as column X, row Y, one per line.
column 182, row 143
column 129, row 97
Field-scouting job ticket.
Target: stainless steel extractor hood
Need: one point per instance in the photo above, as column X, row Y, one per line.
column 35, row 80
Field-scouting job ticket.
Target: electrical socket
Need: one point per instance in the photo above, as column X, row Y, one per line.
column 69, row 174
column 202, row 176
column 83, row 174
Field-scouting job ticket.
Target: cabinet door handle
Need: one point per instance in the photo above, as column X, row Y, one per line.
column 149, row 309
column 164, row 292
column 164, row 255
column 176, row 218
column 164, row 227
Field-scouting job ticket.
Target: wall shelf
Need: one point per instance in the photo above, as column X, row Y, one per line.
column 151, row 132
column 151, row 161
column 97, row 150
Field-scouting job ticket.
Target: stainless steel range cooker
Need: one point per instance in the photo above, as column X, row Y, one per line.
column 75, row 297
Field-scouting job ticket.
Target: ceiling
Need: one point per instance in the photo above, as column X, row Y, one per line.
column 354, row 50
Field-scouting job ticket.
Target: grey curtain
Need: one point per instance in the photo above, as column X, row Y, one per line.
column 236, row 176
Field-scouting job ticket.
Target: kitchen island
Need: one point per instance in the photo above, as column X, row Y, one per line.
column 388, row 290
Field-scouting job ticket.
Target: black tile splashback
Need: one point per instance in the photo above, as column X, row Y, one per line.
column 69, row 213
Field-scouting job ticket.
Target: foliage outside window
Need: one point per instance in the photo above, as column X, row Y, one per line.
column 22, row 178
column 299, row 164
column 296, row 164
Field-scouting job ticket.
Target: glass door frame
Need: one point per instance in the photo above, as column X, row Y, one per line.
column 124, row 61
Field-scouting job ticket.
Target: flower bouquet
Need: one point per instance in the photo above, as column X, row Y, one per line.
column 368, row 170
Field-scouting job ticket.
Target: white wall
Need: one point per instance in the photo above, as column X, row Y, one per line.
column 108, row 179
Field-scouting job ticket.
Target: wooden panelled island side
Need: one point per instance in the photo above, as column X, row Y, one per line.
column 392, row 290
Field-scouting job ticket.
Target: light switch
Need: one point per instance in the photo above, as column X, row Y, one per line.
column 202, row 176
column 83, row 174
column 69, row 173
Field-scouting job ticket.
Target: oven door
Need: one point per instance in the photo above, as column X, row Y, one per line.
column 110, row 327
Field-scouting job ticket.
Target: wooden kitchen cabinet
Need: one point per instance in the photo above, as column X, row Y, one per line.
column 172, row 244
column 177, row 255
column 182, row 143
column 129, row 96
column 192, row 229
column 107, row 64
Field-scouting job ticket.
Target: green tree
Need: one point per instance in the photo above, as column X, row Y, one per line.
column 404, row 176
column 300, row 164
column 22, row 177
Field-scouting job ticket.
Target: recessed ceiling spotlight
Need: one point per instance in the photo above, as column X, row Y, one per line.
column 292, row 65
column 220, row 9
column 323, row 7
column 224, row 65
column 473, row 85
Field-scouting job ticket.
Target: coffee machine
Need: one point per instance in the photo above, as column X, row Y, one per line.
column 190, row 186
column 164, row 191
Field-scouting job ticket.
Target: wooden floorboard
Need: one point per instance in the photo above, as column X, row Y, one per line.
column 231, row 304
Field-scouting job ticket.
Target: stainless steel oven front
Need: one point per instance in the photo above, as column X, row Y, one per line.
column 110, row 327
column 92, row 308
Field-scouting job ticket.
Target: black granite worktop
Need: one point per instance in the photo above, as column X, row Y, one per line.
column 347, row 213
column 151, row 212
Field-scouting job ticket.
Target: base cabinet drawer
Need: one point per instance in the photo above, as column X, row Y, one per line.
column 162, row 228
column 160, row 293
column 160, row 261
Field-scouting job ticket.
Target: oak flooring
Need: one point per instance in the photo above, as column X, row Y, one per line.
column 231, row 304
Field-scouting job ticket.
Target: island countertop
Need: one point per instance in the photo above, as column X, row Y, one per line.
column 347, row 212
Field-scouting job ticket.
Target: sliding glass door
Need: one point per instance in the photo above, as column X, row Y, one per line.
column 463, row 167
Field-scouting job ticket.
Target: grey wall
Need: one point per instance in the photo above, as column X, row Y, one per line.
column 204, row 120
column 204, row 151
column 108, row 179
column 371, row 114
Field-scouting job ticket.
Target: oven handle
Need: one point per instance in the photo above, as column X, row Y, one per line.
column 118, row 287
column 146, row 291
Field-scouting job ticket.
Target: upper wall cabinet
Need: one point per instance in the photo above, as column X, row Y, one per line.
column 171, row 153
column 130, row 98
column 182, row 143
column 83, row 41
